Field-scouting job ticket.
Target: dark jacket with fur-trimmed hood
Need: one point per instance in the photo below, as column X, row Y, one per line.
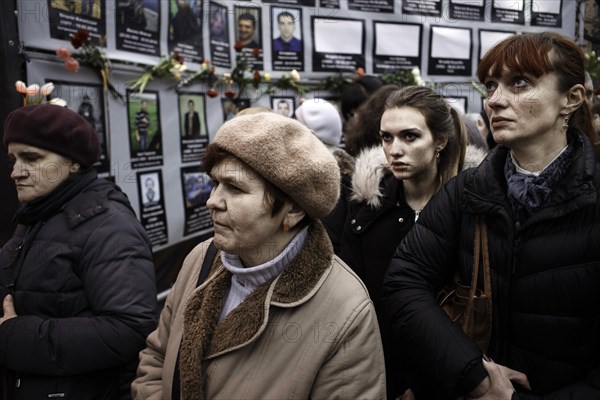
column 374, row 220
column 309, row 333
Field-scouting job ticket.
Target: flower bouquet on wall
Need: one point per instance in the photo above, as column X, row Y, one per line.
column 91, row 56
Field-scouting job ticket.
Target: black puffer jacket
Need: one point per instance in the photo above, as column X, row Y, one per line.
column 85, row 300
column 545, row 279
column 365, row 235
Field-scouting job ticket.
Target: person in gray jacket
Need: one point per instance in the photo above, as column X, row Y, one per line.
column 77, row 277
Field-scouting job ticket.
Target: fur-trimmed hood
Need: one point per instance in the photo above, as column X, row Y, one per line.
column 345, row 161
column 371, row 167
column 474, row 156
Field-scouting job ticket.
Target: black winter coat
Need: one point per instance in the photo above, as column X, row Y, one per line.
column 366, row 233
column 85, row 300
column 545, row 279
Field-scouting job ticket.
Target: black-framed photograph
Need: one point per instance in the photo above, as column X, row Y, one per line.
column 145, row 135
column 152, row 206
column 338, row 44
column 87, row 100
column 150, row 189
column 283, row 105
column 137, row 26
column 193, row 132
column 219, row 35
column 88, row 14
column 196, row 187
column 287, row 44
column 248, row 38
column 185, row 29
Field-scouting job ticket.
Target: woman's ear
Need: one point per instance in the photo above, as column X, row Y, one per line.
column 575, row 97
column 293, row 216
column 441, row 145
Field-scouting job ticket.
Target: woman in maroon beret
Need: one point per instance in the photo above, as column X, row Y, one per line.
column 77, row 277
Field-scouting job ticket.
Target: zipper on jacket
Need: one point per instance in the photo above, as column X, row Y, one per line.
column 514, row 256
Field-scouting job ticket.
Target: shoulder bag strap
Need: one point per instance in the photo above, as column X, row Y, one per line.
column 209, row 258
column 487, row 273
column 475, row 272
column 207, row 263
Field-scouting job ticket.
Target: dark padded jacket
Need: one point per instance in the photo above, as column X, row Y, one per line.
column 85, row 300
column 545, row 279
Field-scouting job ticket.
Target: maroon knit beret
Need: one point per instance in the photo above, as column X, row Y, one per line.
column 54, row 128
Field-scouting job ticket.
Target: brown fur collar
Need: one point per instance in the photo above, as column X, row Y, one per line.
column 204, row 337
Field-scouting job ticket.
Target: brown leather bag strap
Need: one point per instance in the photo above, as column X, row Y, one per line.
column 480, row 256
column 487, row 276
column 470, row 308
column 476, row 257
column 485, row 252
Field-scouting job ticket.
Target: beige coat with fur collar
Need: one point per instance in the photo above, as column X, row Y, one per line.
column 310, row 333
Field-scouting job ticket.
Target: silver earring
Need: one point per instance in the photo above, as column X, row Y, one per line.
column 566, row 122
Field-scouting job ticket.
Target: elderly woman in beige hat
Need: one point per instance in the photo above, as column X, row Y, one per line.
column 279, row 316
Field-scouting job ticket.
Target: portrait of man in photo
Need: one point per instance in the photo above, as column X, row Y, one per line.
column 150, row 190
column 247, row 35
column 191, row 121
column 283, row 105
column 218, row 24
column 286, row 41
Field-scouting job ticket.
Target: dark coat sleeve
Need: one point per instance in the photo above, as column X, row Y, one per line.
column 436, row 349
column 117, row 272
column 335, row 220
column 586, row 388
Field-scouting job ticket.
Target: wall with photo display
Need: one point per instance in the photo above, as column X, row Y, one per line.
column 153, row 141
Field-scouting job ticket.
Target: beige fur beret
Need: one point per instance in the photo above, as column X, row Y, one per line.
column 287, row 154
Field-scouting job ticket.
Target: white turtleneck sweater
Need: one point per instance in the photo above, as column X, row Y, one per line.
column 245, row 280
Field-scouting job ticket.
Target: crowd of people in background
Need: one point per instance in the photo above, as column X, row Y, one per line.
column 334, row 230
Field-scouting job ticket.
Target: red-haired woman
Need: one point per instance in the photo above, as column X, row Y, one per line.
column 538, row 191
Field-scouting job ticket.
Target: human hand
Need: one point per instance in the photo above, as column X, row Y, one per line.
column 8, row 306
column 499, row 383
column 407, row 395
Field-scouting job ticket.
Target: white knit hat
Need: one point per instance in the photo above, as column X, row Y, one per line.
column 323, row 119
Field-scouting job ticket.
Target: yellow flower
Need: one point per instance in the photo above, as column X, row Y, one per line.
column 267, row 77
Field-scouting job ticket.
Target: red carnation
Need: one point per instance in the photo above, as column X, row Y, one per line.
column 238, row 46
column 230, row 93
column 212, row 93
column 80, row 38
column 177, row 57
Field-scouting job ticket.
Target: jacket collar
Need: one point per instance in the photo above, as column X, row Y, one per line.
column 204, row 337
column 485, row 186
